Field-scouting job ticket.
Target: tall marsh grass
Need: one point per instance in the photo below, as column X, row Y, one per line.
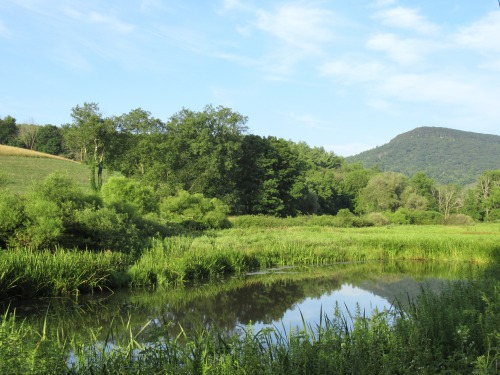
column 455, row 331
column 239, row 250
column 25, row 273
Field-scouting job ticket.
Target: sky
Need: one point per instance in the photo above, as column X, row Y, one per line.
column 346, row 75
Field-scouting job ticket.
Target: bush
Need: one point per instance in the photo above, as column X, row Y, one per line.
column 11, row 215
column 194, row 211
column 493, row 216
column 426, row 217
column 105, row 229
column 346, row 219
column 459, row 219
column 43, row 226
column 121, row 190
column 378, row 219
column 401, row 216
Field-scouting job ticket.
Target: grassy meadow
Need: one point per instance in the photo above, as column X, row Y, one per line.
column 23, row 167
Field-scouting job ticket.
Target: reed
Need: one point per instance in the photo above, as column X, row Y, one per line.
column 454, row 331
column 29, row 273
column 240, row 250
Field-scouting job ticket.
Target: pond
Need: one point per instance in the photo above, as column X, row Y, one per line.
column 280, row 298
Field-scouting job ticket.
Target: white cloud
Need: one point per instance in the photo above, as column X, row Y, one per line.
column 482, row 35
column 469, row 93
column 350, row 70
column 111, row 22
column 382, row 3
column 4, row 31
column 401, row 50
column 405, row 18
column 306, row 28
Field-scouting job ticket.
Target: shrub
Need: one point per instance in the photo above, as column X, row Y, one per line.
column 459, row 219
column 378, row 219
column 493, row 215
column 401, row 216
column 121, row 190
column 43, row 226
column 426, row 217
column 194, row 211
column 11, row 215
column 104, row 229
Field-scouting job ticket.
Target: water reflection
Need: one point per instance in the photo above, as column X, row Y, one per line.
column 264, row 299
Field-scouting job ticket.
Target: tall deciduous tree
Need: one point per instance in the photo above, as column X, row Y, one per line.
column 90, row 136
column 49, row 140
column 135, row 151
column 8, row 130
column 383, row 192
column 27, row 135
column 202, row 151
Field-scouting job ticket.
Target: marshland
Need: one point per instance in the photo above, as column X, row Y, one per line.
column 192, row 247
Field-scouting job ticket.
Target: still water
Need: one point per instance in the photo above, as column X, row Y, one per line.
column 274, row 298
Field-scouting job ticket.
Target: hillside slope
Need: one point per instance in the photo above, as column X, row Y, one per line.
column 23, row 167
column 447, row 155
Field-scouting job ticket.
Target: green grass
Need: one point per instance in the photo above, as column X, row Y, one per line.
column 217, row 253
column 214, row 254
column 22, row 171
column 27, row 274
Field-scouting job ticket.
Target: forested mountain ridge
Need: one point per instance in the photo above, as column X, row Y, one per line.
column 446, row 155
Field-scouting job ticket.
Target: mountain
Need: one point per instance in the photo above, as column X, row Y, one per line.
column 446, row 155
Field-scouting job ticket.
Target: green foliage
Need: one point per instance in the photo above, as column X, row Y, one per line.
column 194, row 211
column 29, row 274
column 104, row 228
column 49, row 139
column 446, row 155
column 346, row 219
column 383, row 192
column 24, row 350
column 43, row 226
column 11, row 215
column 459, row 219
column 8, row 130
column 119, row 189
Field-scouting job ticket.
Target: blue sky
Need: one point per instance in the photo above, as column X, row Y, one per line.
column 347, row 75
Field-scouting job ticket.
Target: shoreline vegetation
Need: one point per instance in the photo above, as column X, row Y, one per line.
column 217, row 253
column 455, row 331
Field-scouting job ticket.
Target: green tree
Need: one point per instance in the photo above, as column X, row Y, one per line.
column 49, row 140
column 383, row 193
column 137, row 148
column 270, row 178
column 202, row 151
column 8, row 130
column 90, row 136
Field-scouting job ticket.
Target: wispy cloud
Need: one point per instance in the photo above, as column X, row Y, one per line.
column 482, row 35
column 401, row 50
column 405, row 18
column 111, row 22
column 303, row 27
column 350, row 70
column 4, row 30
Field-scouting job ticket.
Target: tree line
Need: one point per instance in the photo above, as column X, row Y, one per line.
column 211, row 152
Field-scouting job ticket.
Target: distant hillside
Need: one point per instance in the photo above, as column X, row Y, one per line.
column 23, row 167
column 447, row 155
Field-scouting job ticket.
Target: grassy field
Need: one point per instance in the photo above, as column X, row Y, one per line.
column 211, row 255
column 22, row 167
